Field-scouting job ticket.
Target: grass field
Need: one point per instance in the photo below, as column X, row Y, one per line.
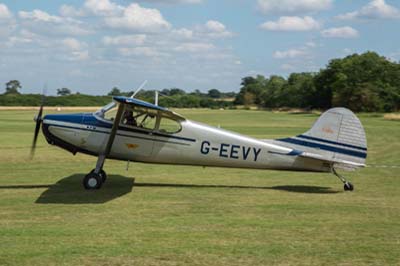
column 175, row 215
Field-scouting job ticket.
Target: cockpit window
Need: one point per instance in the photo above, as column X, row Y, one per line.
column 108, row 112
column 169, row 125
column 139, row 117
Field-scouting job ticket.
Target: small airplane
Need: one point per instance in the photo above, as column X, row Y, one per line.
column 130, row 129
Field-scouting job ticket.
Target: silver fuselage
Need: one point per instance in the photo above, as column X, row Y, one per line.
column 194, row 144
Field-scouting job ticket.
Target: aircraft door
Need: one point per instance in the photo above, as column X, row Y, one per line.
column 135, row 138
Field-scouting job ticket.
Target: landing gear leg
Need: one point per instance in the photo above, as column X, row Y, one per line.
column 347, row 185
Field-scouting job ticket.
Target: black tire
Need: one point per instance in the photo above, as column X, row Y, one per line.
column 103, row 175
column 92, row 181
column 348, row 186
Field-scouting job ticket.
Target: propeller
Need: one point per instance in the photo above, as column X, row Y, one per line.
column 38, row 119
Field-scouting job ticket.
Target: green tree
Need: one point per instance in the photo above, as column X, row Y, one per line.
column 12, row 87
column 114, row 92
column 273, row 88
column 214, row 93
column 63, row 91
column 176, row 91
column 366, row 82
column 251, row 91
column 298, row 91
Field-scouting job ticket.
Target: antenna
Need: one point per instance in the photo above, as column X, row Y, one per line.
column 139, row 89
column 156, row 98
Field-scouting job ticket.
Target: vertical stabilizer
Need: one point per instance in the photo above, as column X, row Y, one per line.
column 337, row 134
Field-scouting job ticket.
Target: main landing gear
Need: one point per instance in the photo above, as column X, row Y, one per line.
column 97, row 176
column 93, row 180
column 347, row 185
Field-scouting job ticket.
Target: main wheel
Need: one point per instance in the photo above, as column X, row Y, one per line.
column 102, row 173
column 348, row 186
column 92, row 181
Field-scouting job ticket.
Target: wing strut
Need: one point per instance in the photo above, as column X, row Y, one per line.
column 97, row 176
column 103, row 156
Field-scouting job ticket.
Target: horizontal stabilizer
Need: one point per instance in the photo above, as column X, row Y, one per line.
column 337, row 163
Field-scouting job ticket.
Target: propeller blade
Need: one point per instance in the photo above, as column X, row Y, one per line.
column 38, row 120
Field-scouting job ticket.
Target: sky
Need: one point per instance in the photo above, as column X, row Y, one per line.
column 92, row 46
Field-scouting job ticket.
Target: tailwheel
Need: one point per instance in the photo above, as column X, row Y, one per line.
column 92, row 181
column 348, row 186
column 102, row 173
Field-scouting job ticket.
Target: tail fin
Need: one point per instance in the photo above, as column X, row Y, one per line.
column 337, row 134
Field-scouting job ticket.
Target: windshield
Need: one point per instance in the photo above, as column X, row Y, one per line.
column 108, row 111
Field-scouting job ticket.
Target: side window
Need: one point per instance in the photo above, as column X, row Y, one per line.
column 148, row 121
column 139, row 118
column 168, row 125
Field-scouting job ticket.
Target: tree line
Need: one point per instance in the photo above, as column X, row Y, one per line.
column 362, row 82
column 366, row 82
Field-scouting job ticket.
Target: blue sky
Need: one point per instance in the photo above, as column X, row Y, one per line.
column 93, row 45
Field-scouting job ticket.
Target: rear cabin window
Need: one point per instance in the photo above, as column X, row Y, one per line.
column 168, row 125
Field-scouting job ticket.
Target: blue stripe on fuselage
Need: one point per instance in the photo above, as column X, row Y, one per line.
column 325, row 147
column 88, row 119
column 331, row 142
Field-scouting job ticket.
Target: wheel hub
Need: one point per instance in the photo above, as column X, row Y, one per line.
column 92, row 182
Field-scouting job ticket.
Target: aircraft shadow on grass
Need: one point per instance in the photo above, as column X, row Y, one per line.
column 69, row 190
column 288, row 188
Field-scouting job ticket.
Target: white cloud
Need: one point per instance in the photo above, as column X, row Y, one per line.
column 182, row 33
column 5, row 12
column 291, row 24
column 342, row 32
column 215, row 26
column 69, row 49
column 141, row 51
column 70, row 11
column 141, row 43
column 215, row 29
column 125, row 40
column 41, row 22
column 376, row 9
column 103, row 7
column 22, row 37
column 194, row 47
column 73, row 44
column 174, row 1
column 291, row 53
column 293, row 7
column 39, row 16
column 7, row 23
column 79, row 55
column 138, row 19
